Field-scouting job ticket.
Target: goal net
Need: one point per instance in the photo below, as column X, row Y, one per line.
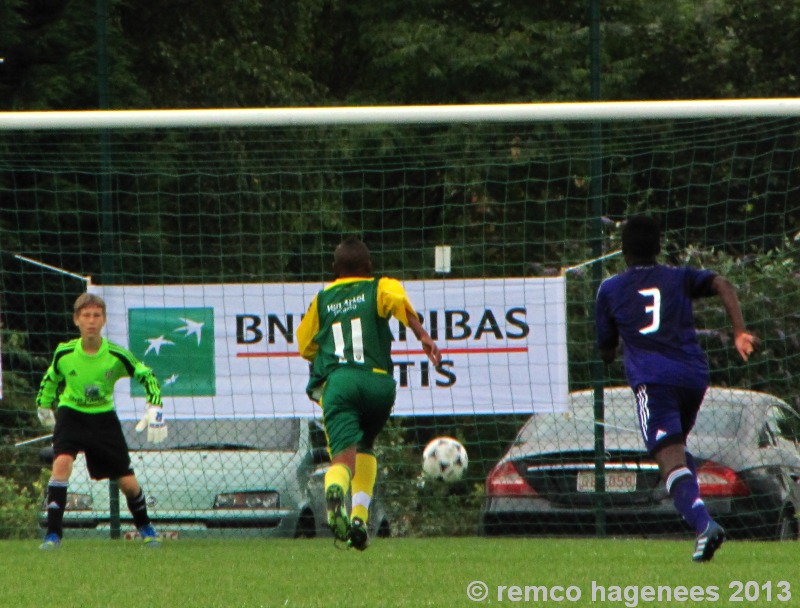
column 208, row 233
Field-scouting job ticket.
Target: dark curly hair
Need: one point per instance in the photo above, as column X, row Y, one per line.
column 641, row 238
column 351, row 259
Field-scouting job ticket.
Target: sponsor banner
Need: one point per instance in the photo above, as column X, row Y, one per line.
column 229, row 350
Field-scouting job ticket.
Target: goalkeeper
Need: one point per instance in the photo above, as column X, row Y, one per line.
column 85, row 418
column 345, row 334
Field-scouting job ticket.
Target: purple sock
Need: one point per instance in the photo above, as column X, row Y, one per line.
column 682, row 487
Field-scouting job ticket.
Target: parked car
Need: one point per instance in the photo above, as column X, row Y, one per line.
column 236, row 477
column 744, row 443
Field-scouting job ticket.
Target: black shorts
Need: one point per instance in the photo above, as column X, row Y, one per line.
column 98, row 436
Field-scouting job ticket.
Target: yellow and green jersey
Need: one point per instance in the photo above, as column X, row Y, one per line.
column 88, row 379
column 347, row 324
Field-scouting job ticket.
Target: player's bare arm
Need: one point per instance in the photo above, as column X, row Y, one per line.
column 745, row 342
column 428, row 345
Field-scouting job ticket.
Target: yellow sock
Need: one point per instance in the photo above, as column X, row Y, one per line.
column 363, row 485
column 339, row 475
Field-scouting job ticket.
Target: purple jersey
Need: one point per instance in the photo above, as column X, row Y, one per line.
column 650, row 309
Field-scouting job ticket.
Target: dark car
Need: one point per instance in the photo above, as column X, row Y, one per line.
column 222, row 476
column 746, row 452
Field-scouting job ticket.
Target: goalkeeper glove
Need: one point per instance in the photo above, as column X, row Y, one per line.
column 46, row 417
column 153, row 421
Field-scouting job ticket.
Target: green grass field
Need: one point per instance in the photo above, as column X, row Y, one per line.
column 394, row 573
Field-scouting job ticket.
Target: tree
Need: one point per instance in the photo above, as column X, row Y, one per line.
column 211, row 54
column 52, row 57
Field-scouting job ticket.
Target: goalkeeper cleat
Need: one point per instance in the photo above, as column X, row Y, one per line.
column 149, row 537
column 359, row 538
column 51, row 542
column 708, row 541
column 338, row 521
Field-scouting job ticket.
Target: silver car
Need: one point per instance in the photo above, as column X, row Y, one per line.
column 745, row 447
column 239, row 477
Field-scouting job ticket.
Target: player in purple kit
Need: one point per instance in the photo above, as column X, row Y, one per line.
column 649, row 307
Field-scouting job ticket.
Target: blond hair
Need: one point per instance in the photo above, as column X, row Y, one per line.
column 88, row 299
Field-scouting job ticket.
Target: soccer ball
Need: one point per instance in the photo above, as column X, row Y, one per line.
column 444, row 459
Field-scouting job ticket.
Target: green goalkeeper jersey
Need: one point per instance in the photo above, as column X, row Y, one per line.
column 88, row 379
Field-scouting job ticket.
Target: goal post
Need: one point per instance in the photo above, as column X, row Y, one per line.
column 366, row 115
column 227, row 218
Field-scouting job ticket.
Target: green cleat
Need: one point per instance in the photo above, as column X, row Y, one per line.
column 338, row 521
column 359, row 538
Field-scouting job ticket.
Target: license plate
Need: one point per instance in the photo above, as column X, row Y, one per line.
column 617, row 481
column 164, row 534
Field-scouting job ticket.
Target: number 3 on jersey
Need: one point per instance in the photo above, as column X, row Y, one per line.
column 654, row 294
column 356, row 341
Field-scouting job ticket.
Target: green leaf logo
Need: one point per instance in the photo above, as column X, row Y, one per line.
column 178, row 345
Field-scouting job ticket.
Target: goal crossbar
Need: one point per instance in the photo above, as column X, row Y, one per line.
column 498, row 113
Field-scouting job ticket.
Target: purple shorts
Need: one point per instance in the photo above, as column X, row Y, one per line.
column 666, row 413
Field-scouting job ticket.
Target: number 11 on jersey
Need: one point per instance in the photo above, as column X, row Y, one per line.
column 356, row 341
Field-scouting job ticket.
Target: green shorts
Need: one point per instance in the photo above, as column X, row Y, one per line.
column 356, row 404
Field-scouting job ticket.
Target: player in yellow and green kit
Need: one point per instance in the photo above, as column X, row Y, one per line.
column 86, row 369
column 345, row 335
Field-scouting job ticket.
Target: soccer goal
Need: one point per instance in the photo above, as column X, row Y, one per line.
column 209, row 231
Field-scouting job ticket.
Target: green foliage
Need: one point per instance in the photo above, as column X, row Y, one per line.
column 51, row 60
column 419, row 506
column 243, row 54
column 766, row 283
column 316, row 52
column 19, row 509
column 18, row 357
column 22, row 477
column 21, row 375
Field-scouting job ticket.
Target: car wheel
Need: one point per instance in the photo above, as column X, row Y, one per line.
column 492, row 526
column 786, row 528
column 384, row 531
column 306, row 527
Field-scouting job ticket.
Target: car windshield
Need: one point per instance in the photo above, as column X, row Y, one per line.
column 274, row 434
